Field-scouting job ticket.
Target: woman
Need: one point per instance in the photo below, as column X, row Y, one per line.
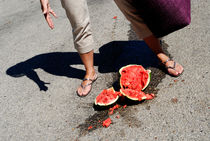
column 78, row 15
column 131, row 13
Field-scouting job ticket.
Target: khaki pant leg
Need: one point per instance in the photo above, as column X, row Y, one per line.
column 130, row 13
column 78, row 15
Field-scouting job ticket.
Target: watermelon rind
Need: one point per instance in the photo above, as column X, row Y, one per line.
column 148, row 80
column 110, row 103
column 132, row 98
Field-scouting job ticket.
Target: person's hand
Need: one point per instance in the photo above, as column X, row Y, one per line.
column 46, row 9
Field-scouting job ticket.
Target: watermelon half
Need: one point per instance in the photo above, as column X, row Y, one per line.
column 134, row 77
column 107, row 97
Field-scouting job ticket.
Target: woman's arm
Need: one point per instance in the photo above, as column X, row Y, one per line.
column 46, row 9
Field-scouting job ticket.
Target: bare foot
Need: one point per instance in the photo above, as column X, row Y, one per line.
column 86, row 85
column 173, row 68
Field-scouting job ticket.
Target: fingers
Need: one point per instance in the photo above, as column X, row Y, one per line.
column 49, row 20
column 48, row 17
column 46, row 9
column 53, row 13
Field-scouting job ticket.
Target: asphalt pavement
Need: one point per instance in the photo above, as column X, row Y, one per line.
column 40, row 71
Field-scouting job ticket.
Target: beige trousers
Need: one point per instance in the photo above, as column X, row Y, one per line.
column 78, row 15
column 130, row 12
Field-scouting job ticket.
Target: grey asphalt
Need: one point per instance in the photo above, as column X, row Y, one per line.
column 40, row 71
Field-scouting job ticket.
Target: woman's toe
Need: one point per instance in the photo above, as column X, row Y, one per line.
column 179, row 68
column 80, row 91
column 86, row 90
column 172, row 72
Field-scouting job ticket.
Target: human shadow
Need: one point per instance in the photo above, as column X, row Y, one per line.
column 111, row 57
column 117, row 54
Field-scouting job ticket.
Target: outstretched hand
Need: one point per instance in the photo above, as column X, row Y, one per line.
column 46, row 10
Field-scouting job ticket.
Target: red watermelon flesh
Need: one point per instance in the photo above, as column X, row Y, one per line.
column 133, row 94
column 135, row 79
column 107, row 122
column 150, row 96
column 107, row 97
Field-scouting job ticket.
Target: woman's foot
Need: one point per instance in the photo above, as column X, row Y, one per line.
column 90, row 77
column 86, row 85
column 173, row 68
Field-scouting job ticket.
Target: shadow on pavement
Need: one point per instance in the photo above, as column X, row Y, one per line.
column 56, row 63
column 111, row 57
column 114, row 55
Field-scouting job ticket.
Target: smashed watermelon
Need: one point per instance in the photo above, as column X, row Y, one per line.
column 134, row 77
column 107, row 97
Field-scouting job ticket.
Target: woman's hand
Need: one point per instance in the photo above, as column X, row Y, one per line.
column 46, row 9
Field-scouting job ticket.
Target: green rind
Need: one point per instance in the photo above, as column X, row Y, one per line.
column 149, row 71
column 135, row 99
column 102, row 104
column 121, row 84
column 144, row 98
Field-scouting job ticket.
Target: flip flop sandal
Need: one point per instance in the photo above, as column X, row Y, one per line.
column 89, row 84
column 171, row 67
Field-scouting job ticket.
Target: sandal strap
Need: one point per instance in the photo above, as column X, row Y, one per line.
column 88, row 79
column 83, row 86
column 170, row 67
column 85, row 79
column 167, row 61
column 95, row 77
column 173, row 67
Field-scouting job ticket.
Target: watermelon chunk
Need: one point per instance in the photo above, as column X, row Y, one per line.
column 107, row 97
column 133, row 94
column 107, row 122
